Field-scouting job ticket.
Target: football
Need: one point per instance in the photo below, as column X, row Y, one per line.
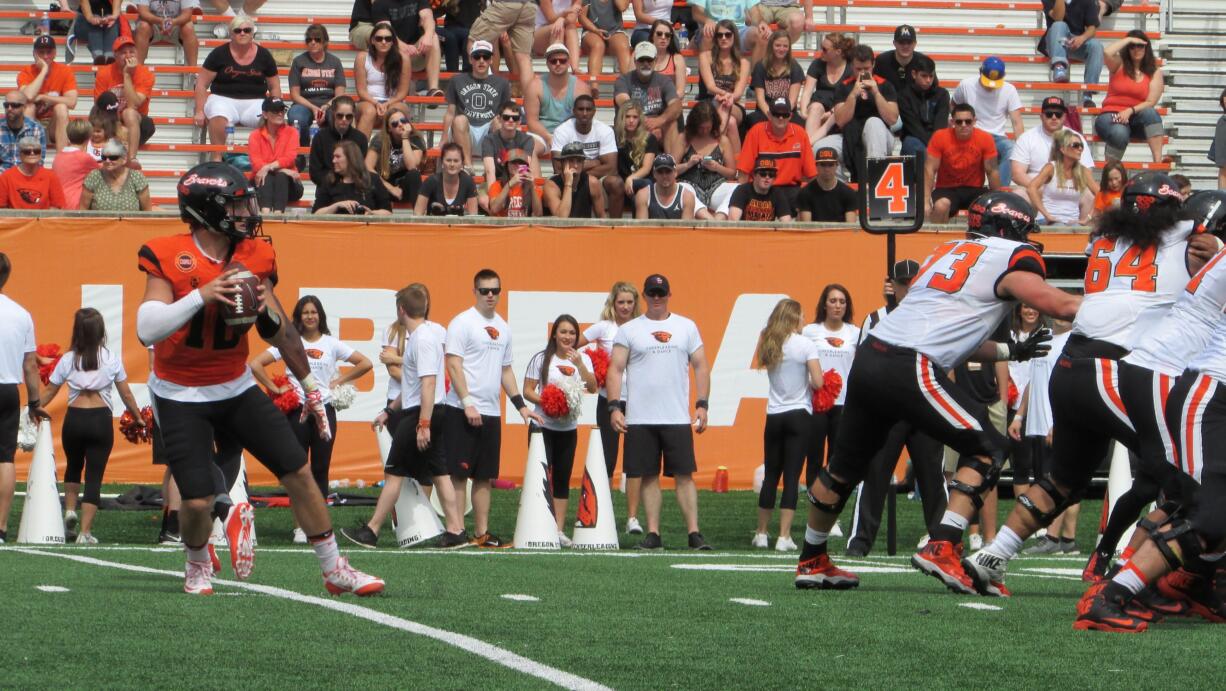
column 246, row 304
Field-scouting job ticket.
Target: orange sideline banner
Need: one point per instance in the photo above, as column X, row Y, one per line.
column 726, row 280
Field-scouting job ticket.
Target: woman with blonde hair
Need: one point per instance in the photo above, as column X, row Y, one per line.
column 795, row 372
column 621, row 306
column 396, row 153
column 825, row 73
column 637, row 148
column 777, row 76
column 1063, row 191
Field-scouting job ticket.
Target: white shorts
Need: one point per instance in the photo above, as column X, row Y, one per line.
column 236, row 111
column 476, row 133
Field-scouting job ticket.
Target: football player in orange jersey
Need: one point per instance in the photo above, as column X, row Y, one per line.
column 200, row 381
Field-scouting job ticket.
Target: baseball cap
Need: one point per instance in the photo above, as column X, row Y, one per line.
column 905, row 33
column 514, row 155
column 764, row 163
column 44, row 41
column 904, row 270
column 572, row 150
column 123, row 40
column 656, row 284
column 644, row 50
column 272, row 105
column 663, row 161
column 557, row 48
column 1054, row 103
column 992, row 73
column 827, row 154
column 780, row 106
column 481, row 47
column 107, row 101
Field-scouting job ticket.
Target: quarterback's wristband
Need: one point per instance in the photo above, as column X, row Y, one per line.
column 701, row 403
column 518, row 402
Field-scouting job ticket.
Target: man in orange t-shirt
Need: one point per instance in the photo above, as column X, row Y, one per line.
column 132, row 84
column 51, row 90
column 509, row 198
column 959, row 158
column 30, row 185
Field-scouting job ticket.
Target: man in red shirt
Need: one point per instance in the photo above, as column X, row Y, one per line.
column 959, row 158
column 29, row 185
column 132, row 84
column 783, row 141
column 50, row 89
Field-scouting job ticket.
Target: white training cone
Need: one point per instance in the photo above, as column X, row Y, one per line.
column 384, row 438
column 468, row 501
column 414, row 519
column 595, row 524
column 42, row 518
column 1119, row 481
column 536, row 527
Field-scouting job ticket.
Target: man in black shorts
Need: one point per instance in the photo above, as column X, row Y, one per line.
column 960, row 157
column 656, row 350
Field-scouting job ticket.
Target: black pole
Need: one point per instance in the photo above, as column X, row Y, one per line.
column 891, row 502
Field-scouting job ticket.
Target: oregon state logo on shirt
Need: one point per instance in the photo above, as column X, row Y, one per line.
column 567, row 370
column 314, row 353
column 186, row 262
column 836, row 342
column 492, row 332
column 662, row 336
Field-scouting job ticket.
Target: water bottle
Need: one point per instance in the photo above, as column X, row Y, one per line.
column 314, row 129
column 44, row 25
column 230, row 135
column 683, row 36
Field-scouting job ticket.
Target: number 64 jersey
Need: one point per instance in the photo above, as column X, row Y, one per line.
column 952, row 306
column 205, row 360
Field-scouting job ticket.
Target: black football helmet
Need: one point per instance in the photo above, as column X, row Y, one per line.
column 1003, row 215
column 219, row 197
column 1207, row 209
column 1149, row 190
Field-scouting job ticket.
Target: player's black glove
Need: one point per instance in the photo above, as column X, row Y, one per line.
column 1037, row 344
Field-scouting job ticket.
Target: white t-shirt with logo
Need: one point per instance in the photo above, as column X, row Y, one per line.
column 789, row 379
column 110, row 370
column 559, row 372
column 601, row 334
column 992, row 106
column 16, row 339
column 323, row 356
column 836, row 349
column 423, row 357
column 485, row 345
column 391, row 339
column 659, row 361
column 600, row 140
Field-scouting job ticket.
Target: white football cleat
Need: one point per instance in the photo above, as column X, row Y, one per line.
column 987, row 572
column 198, row 578
column 240, row 534
column 346, row 579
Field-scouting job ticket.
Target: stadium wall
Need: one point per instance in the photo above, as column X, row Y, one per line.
column 726, row 279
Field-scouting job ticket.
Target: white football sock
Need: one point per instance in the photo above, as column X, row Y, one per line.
column 814, row 537
column 1130, row 578
column 1007, row 544
column 327, row 553
column 955, row 520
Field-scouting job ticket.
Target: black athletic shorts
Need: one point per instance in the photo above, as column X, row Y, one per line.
column 646, row 444
column 250, row 419
column 1087, row 414
column 406, row 460
column 960, row 198
column 472, row 452
column 10, row 417
column 889, row 384
column 1146, row 394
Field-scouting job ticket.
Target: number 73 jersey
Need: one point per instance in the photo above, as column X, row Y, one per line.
column 1127, row 289
column 952, row 306
column 204, row 351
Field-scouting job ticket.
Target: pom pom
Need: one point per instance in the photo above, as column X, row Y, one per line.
column 1013, row 394
column 824, row 398
column 600, row 363
column 27, row 433
column 553, row 402
column 134, row 433
column 574, row 390
column 48, row 355
column 343, row 396
column 289, row 400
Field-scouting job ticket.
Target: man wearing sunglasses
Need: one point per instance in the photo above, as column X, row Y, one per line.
column 19, row 126
column 29, row 185
column 959, row 158
column 1032, row 150
column 478, row 355
column 474, row 101
column 551, row 100
column 338, row 127
column 506, row 136
column 657, row 93
column 759, row 199
column 785, row 142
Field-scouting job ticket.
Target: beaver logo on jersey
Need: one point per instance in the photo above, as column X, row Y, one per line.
column 662, row 336
column 30, row 196
column 186, row 262
column 314, row 353
column 836, row 342
column 566, row 370
column 492, row 332
column 586, row 517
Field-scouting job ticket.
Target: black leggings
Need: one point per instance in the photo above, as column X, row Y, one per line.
column 318, row 450
column 278, row 191
column 609, row 438
column 784, row 441
column 88, row 437
column 560, row 454
column 821, row 444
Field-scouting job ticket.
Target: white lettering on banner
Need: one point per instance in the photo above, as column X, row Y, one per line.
column 376, row 305
column 108, row 300
column 529, row 314
column 733, row 376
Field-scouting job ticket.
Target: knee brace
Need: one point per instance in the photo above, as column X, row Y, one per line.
column 839, row 487
column 1177, row 545
column 1062, row 502
column 989, row 471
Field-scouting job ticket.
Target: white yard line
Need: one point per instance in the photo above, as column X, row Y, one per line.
column 469, row 644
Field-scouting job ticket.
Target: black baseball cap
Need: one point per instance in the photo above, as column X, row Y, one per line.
column 656, row 284
column 273, row 105
column 780, row 106
column 1054, row 103
column 827, row 154
column 44, row 41
column 904, row 270
column 905, row 33
column 662, row 162
column 107, row 101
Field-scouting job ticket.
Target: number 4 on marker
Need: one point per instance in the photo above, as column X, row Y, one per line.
column 892, row 186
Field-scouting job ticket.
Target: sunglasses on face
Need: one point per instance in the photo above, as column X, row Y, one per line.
column 664, row 34
column 964, row 122
column 646, row 60
column 1052, row 114
column 510, row 118
column 244, row 30
column 656, row 294
column 723, row 34
column 314, row 39
column 13, row 106
column 31, row 152
column 828, row 164
column 111, row 157
column 481, row 56
column 489, row 291
column 382, row 38
column 343, row 116
column 1076, row 145
column 558, row 61
column 781, row 115
column 395, row 123
column 765, row 173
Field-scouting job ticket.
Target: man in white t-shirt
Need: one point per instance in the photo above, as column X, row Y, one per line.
column 1032, row 150
column 656, row 351
column 479, row 364
column 599, row 142
column 18, row 364
column 996, row 105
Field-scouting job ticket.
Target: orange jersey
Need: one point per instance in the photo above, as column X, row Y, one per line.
column 204, row 351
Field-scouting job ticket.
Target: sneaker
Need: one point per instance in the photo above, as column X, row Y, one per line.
column 1059, row 73
column 1152, row 599
column 70, row 48
column 1098, row 612
column 564, row 541
column 361, row 535
column 214, row 561
column 489, row 541
column 4, row 536
column 633, row 527
column 836, row 530
column 651, row 541
column 698, row 543
column 1087, row 101
column 819, row 572
column 70, row 522
column 346, row 579
column 241, row 537
column 923, row 542
column 987, row 572
column 86, row 539
column 299, row 537
column 976, row 542
column 198, row 578
column 221, row 31
column 434, row 93
column 760, row 541
column 942, row 560
column 454, row 540
column 168, row 538
column 1096, row 567
column 785, row 544
column 1069, row 547
column 1197, row 591
column 1044, row 546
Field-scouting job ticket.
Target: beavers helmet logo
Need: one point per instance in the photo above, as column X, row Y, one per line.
column 662, row 336
column 567, row 370
column 492, row 332
column 836, row 342
column 314, row 353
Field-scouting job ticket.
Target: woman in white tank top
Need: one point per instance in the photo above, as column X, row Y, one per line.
column 380, row 76
column 1063, row 191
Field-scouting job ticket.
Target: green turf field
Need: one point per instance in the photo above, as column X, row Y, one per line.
column 629, row 620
